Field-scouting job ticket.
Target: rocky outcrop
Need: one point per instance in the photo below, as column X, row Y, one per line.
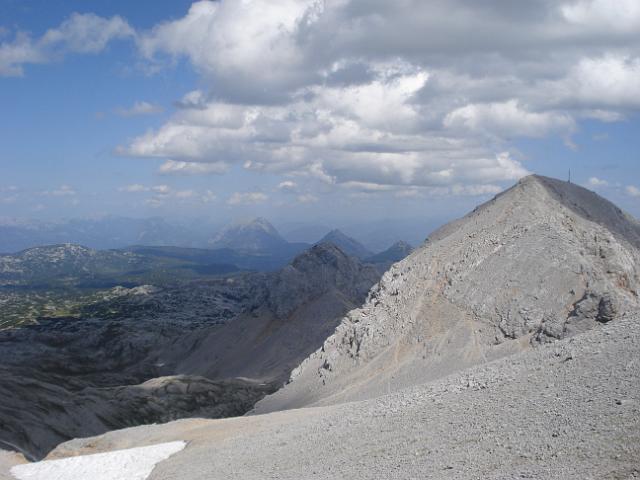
column 542, row 261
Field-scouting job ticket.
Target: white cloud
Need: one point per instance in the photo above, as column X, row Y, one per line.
column 184, row 194
column 240, row 44
column 161, row 189
column 371, row 133
column 134, row 188
column 208, row 197
column 249, row 198
column 632, row 191
column 139, row 108
column 328, row 91
column 508, row 119
column 340, row 93
column 80, row 33
column 604, row 84
column 597, row 182
column 172, row 167
column 306, row 198
column 288, row 186
column 154, row 202
column 604, row 15
column 62, row 191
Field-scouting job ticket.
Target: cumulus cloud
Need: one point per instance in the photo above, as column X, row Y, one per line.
column 172, row 167
column 161, row 189
column 80, row 33
column 240, row 45
column 603, row 15
column 139, row 108
column 134, row 188
column 288, row 186
column 341, row 93
column 632, row 191
column 597, row 182
column 306, row 198
column 508, row 119
column 208, row 196
column 329, row 91
column 248, row 198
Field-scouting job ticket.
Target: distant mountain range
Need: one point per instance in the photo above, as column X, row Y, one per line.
column 253, row 245
column 102, row 233
column 252, row 236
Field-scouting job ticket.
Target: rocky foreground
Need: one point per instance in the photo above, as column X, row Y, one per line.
column 565, row 410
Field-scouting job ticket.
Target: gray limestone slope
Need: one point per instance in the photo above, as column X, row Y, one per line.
column 568, row 410
column 540, row 262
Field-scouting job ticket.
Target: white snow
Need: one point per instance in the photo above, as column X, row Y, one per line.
column 130, row 464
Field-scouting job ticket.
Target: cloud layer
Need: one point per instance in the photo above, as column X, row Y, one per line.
column 404, row 97
column 416, row 94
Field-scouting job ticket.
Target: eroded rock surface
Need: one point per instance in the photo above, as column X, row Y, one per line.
column 542, row 261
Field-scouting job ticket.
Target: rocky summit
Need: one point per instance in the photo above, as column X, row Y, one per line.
column 543, row 261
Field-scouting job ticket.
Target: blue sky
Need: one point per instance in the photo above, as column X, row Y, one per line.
column 309, row 111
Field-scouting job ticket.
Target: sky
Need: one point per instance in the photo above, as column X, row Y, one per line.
column 311, row 110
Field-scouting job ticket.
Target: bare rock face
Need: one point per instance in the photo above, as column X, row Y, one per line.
column 540, row 262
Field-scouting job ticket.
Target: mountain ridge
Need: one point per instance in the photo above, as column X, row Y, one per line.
column 524, row 268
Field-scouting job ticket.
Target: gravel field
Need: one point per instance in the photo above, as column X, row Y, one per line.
column 565, row 410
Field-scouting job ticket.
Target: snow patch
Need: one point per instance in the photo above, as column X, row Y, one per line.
column 131, row 464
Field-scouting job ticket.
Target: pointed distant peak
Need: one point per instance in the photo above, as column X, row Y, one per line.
column 245, row 222
column 348, row 245
column 336, row 233
column 254, row 234
column 252, row 224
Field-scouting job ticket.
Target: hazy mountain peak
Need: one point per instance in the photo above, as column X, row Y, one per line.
column 255, row 234
column 347, row 244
